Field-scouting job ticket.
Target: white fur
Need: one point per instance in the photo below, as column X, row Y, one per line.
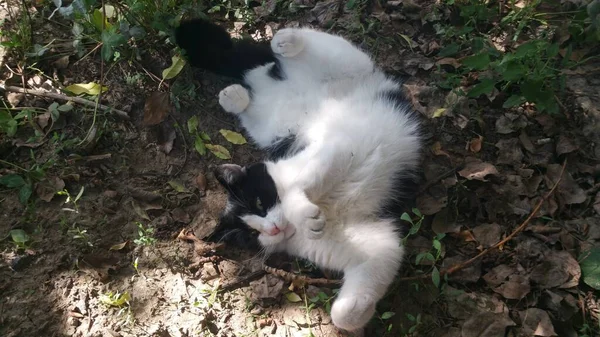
column 331, row 191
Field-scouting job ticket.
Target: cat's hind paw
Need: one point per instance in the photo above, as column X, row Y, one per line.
column 352, row 312
column 287, row 42
column 234, row 99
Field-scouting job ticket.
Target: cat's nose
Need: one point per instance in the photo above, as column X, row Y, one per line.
column 274, row 230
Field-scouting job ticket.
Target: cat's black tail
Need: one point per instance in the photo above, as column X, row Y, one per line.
column 209, row 46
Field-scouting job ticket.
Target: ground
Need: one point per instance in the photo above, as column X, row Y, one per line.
column 103, row 212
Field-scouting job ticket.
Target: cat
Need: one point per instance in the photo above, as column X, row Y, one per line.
column 344, row 149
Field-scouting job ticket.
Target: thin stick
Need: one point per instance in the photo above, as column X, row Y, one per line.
column 62, row 97
column 300, row 279
column 463, row 265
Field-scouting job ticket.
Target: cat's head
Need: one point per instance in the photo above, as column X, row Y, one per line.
column 253, row 209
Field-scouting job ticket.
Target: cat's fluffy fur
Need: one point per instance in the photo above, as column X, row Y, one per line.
column 344, row 143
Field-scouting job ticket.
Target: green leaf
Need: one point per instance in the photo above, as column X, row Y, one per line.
column 192, row 124
column 115, row 300
column 174, row 69
column 486, row 86
column 219, row 151
column 477, row 62
column 199, row 146
column 205, row 136
column 110, row 41
column 11, row 128
column 25, row 193
column 177, row 186
column 449, row 50
column 435, row 277
column 99, row 21
column 437, row 245
column 526, row 48
column 387, row 315
column 514, row 71
column 590, row 268
column 233, row 137
column 406, row 217
column 90, row 88
column 293, row 297
column 417, row 212
column 19, row 236
column 12, row 180
column 512, row 101
column 65, row 108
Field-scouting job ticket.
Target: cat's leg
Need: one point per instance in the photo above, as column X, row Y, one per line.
column 376, row 248
column 234, row 99
column 327, row 55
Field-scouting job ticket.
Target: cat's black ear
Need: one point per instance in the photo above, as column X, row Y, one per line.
column 229, row 174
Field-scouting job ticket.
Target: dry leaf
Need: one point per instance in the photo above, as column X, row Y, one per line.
column 488, row 234
column 448, row 61
column 48, row 188
column 475, row 144
column 119, row 246
column 475, row 169
column 201, row 182
column 156, row 108
column 536, row 322
column 436, row 148
column 177, row 186
column 516, row 288
column 487, row 324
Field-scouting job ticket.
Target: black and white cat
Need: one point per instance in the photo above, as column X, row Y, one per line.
column 343, row 146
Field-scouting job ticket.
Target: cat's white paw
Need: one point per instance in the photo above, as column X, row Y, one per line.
column 287, row 43
column 308, row 217
column 352, row 312
column 234, row 99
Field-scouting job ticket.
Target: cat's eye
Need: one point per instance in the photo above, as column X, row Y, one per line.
column 259, row 204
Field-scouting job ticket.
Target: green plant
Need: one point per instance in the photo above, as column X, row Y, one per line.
column 79, row 234
column 145, row 235
column 71, row 200
column 322, row 299
column 415, row 224
column 20, row 238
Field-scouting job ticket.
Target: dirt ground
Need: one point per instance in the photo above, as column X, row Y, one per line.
column 485, row 170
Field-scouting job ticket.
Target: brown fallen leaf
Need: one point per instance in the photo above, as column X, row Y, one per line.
column 436, row 148
column 475, row 144
column 179, row 215
column 487, row 324
column 536, row 322
column 565, row 145
column 509, row 152
column 488, row 234
column 433, row 200
column 558, row 270
column 118, row 246
column 568, row 188
column 200, row 247
column 47, row 189
column 516, row 288
column 201, row 182
column 156, row 108
column 475, row 169
column 443, row 223
column 448, row 61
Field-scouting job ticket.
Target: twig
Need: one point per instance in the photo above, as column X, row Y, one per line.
column 62, row 97
column 90, row 158
column 241, row 281
column 463, row 265
column 300, row 280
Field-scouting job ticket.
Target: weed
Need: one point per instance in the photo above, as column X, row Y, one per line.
column 415, row 224
column 20, row 238
column 80, row 235
column 145, row 235
column 71, row 200
column 527, row 72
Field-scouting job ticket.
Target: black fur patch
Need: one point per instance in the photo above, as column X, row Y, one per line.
column 251, row 190
column 283, row 147
column 276, row 72
column 209, row 46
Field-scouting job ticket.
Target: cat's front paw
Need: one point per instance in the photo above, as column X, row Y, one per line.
column 309, row 218
column 352, row 312
column 234, row 99
column 287, row 43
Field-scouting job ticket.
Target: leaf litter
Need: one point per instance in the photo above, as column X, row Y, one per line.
column 501, row 163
